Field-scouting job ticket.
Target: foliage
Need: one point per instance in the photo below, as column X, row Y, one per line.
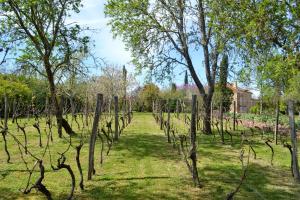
column 293, row 91
column 226, row 95
column 172, row 95
column 38, row 31
column 186, row 78
column 14, row 88
column 163, row 35
column 148, row 94
column 255, row 109
column 110, row 83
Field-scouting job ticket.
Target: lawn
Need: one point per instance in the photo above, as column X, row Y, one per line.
column 142, row 165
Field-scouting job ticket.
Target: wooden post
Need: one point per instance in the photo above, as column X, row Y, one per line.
column 125, row 95
column 276, row 122
column 94, row 134
column 212, row 113
column 193, row 152
column 184, row 111
column 168, row 122
column 221, row 122
column 6, row 107
column 197, row 115
column 234, row 114
column 60, row 119
column 129, row 111
column 177, row 109
column 161, row 114
column 116, row 102
column 86, row 111
column 295, row 166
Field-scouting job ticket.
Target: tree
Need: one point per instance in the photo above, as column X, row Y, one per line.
column 13, row 88
column 111, row 82
column 186, row 78
column 269, row 28
column 148, row 94
column 172, row 95
column 223, row 85
column 45, row 43
column 163, row 34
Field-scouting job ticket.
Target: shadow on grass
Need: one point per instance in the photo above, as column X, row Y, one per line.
column 132, row 190
column 147, row 145
column 261, row 182
column 7, row 194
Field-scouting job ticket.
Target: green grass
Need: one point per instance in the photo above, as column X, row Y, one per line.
column 142, row 165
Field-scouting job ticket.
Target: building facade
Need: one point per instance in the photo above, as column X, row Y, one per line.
column 242, row 99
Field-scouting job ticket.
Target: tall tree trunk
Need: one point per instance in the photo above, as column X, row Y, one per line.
column 223, row 83
column 295, row 166
column 61, row 122
column 207, row 116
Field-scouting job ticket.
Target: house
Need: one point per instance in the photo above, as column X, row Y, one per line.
column 242, row 98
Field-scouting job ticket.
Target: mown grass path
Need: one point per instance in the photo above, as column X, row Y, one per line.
column 142, row 165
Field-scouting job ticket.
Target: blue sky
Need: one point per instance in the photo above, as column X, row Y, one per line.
column 92, row 15
column 113, row 49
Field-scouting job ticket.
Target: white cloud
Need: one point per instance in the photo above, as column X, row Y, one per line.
column 92, row 15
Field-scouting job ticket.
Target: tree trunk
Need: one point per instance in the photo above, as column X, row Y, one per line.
column 94, row 135
column 61, row 122
column 295, row 166
column 207, row 117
